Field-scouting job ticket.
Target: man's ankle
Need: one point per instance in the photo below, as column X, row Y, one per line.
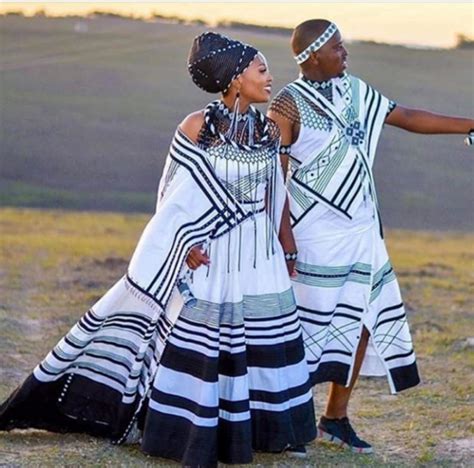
column 340, row 415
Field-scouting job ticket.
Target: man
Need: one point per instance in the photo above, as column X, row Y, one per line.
column 347, row 293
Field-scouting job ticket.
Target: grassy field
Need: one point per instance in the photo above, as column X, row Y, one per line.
column 57, row 263
column 86, row 118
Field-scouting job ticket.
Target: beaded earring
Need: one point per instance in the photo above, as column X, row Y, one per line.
column 234, row 123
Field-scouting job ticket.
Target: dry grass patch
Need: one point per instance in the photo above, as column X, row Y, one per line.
column 56, row 264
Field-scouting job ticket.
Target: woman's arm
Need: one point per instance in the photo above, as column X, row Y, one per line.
column 191, row 126
column 420, row 121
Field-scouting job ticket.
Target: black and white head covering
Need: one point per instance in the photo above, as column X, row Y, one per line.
column 215, row 61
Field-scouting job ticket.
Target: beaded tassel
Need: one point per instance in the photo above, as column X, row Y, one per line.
column 234, row 122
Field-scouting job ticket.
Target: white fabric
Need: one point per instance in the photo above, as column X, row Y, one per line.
column 344, row 154
column 345, row 280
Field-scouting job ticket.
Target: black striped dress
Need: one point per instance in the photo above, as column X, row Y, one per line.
column 213, row 368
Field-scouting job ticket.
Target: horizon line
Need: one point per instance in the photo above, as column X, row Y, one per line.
column 229, row 23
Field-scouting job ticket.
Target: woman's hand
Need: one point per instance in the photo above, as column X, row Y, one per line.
column 196, row 258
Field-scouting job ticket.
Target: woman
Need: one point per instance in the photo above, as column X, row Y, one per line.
column 206, row 361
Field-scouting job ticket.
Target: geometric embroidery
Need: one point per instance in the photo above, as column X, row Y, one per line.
column 309, row 118
column 316, row 44
column 261, row 155
column 318, row 174
column 355, row 133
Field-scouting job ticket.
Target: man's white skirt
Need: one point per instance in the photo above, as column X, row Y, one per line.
column 346, row 282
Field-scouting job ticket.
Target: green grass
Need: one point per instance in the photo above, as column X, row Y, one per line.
column 37, row 196
column 57, row 263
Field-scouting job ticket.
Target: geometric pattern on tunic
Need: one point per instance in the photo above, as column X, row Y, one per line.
column 332, row 276
column 309, row 118
column 300, row 197
column 355, row 133
column 331, row 318
column 318, row 174
column 352, row 129
column 300, row 111
column 284, row 105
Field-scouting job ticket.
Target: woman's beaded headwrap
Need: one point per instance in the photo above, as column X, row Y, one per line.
column 215, row 61
column 316, row 44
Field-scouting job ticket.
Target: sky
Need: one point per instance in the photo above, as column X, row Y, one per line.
column 433, row 24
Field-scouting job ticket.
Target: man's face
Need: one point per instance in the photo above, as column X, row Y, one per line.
column 332, row 57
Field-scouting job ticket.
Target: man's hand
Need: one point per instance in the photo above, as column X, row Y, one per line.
column 196, row 258
column 291, row 265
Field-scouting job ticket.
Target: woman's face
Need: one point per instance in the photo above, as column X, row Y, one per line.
column 256, row 81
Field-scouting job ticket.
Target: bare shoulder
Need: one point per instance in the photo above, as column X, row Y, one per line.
column 192, row 125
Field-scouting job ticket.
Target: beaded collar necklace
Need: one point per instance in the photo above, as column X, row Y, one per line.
column 318, row 84
column 226, row 112
column 257, row 118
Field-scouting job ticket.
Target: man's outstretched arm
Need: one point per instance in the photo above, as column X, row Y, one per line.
column 420, row 121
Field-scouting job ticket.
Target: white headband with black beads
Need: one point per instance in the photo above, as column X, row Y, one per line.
column 316, row 44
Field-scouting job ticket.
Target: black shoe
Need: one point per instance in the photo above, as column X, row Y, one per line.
column 341, row 432
column 298, row 451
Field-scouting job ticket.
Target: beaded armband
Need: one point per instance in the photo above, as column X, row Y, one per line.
column 289, row 256
column 469, row 140
column 285, row 149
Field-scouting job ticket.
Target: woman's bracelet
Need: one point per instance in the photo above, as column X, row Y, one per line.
column 289, row 256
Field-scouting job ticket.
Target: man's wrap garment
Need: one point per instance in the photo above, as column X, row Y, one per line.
column 345, row 279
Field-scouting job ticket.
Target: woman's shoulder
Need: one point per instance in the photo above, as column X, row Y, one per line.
column 192, row 124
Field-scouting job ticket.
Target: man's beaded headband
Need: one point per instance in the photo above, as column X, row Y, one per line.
column 316, row 44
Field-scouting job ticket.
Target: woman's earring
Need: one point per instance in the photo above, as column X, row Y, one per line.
column 234, row 123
